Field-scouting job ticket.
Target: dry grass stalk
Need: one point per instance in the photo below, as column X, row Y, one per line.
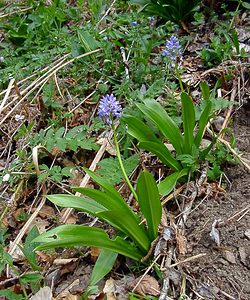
column 39, row 82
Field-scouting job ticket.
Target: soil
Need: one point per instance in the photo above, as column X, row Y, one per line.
column 224, row 273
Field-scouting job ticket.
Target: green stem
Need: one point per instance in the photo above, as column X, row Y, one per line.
column 179, row 77
column 3, row 215
column 122, row 166
column 231, row 23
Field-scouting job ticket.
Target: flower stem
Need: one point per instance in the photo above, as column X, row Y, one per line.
column 179, row 77
column 118, row 154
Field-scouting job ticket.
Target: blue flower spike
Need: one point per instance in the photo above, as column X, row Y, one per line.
column 134, row 23
column 109, row 109
column 173, row 50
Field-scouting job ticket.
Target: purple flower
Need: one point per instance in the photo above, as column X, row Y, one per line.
column 109, row 108
column 151, row 19
column 173, row 49
column 134, row 23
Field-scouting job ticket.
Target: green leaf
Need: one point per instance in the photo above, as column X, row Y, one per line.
column 61, row 143
column 118, row 214
column 149, row 202
column 138, row 129
column 28, row 248
column 162, row 152
column 5, row 258
column 205, row 90
column 103, row 265
column 165, row 124
column 11, row 295
column 203, row 121
column 246, row 5
column 112, row 167
column 76, row 235
column 72, row 144
column 59, row 133
column 127, row 225
column 82, row 204
column 28, row 278
column 167, row 185
column 236, row 40
column 109, row 189
column 87, row 41
column 188, row 118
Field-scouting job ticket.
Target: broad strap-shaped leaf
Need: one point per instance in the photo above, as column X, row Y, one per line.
column 103, row 265
column 77, row 235
column 133, row 230
column 167, row 185
column 107, row 201
column 138, row 129
column 119, row 215
column 108, row 188
column 162, row 152
column 188, row 118
column 79, row 203
column 153, row 110
column 205, row 90
column 149, row 202
column 203, row 121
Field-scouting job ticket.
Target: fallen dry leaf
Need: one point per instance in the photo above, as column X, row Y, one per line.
column 110, row 147
column 18, row 255
column 65, row 293
column 63, row 261
column 71, row 219
column 46, row 212
column 40, row 223
column 181, row 242
column 214, row 233
column 43, row 294
column 148, row 285
column 109, row 289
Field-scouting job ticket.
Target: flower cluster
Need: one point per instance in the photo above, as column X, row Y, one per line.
column 152, row 20
column 134, row 23
column 173, row 50
column 109, row 109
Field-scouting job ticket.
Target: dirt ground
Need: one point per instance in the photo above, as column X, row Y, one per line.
column 224, row 273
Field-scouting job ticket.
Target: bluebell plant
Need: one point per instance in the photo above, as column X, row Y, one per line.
column 133, row 239
column 173, row 54
column 109, row 110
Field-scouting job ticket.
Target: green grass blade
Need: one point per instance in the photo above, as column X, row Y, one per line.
column 149, row 202
column 165, row 124
column 188, row 118
column 103, row 265
column 162, row 152
column 76, row 235
column 167, row 185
